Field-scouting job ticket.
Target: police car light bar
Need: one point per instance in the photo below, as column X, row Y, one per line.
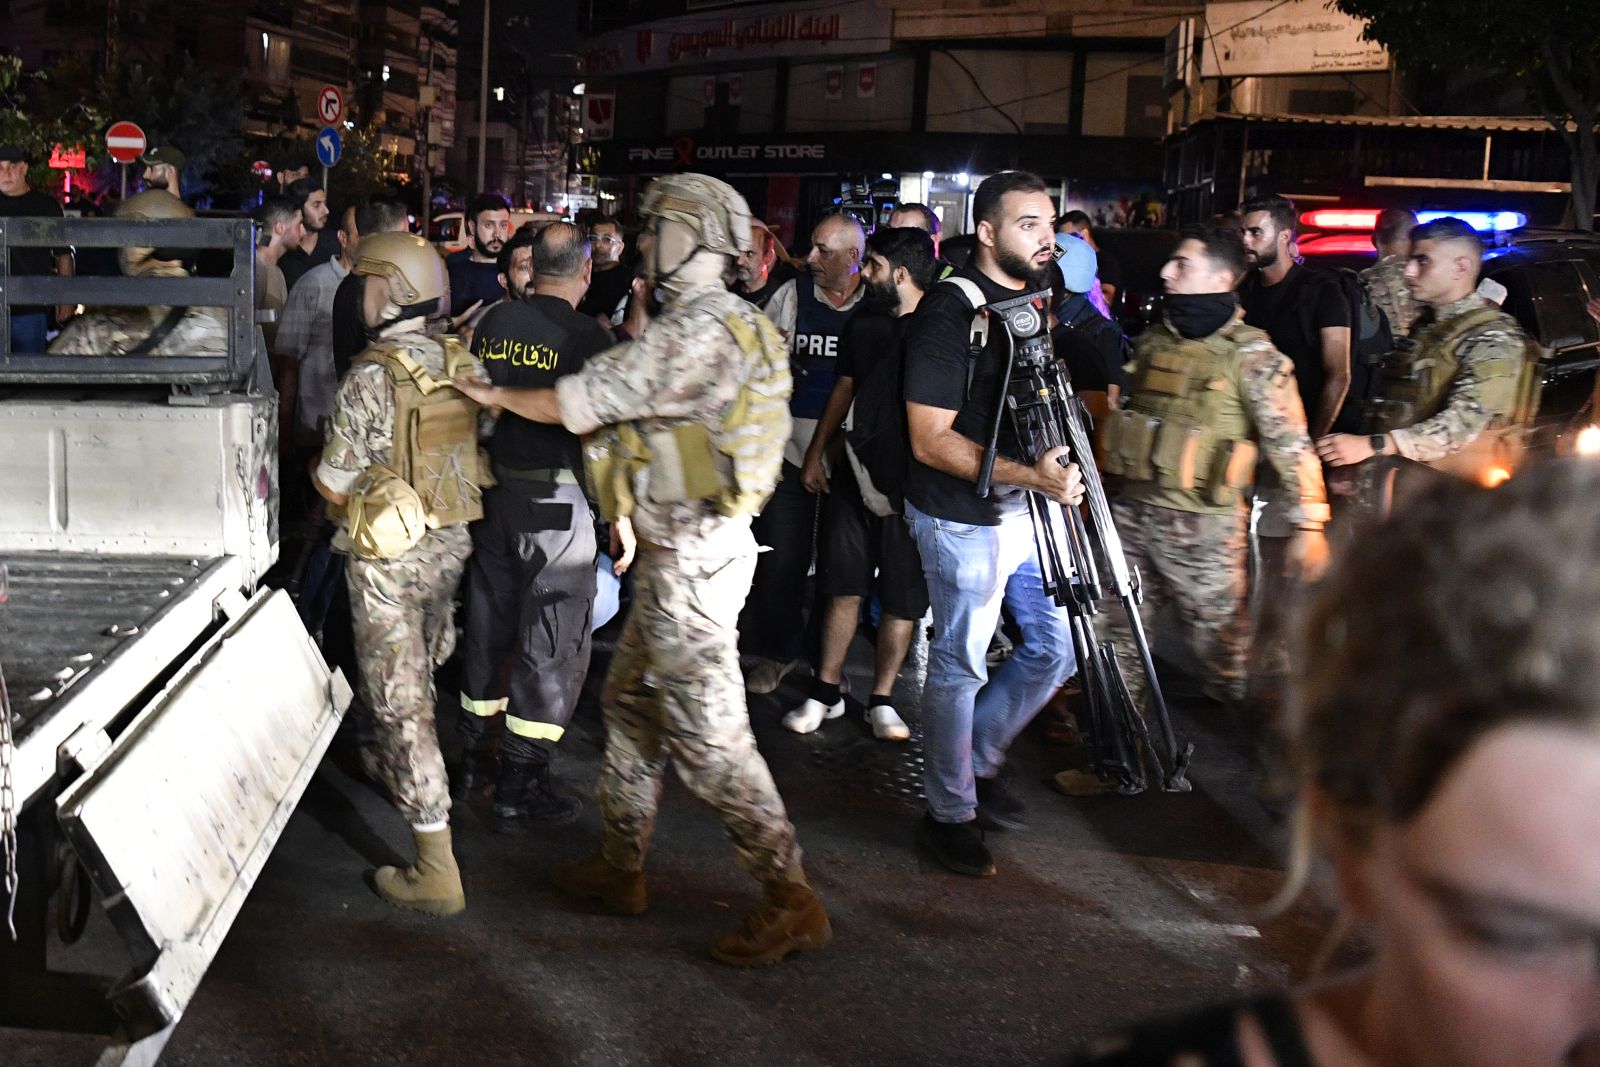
column 1339, row 218
column 1482, row 221
column 1366, row 219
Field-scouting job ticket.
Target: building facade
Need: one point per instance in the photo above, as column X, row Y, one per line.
column 811, row 105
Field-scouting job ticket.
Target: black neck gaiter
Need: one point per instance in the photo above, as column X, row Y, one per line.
column 1199, row 314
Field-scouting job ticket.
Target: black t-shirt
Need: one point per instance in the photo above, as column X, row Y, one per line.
column 868, row 337
column 1109, row 269
column 937, row 338
column 471, row 281
column 528, row 344
column 1282, row 311
column 31, row 262
column 606, row 290
column 349, row 332
column 296, row 264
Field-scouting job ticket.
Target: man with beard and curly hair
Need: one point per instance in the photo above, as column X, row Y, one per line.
column 978, row 552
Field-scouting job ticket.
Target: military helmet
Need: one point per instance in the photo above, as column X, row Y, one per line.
column 715, row 210
column 154, row 204
column 414, row 269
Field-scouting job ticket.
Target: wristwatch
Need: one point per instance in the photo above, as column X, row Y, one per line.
column 1377, row 440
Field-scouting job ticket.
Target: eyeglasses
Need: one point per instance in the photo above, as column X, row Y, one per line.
column 605, row 239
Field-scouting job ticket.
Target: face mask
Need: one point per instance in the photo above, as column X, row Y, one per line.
column 1199, row 314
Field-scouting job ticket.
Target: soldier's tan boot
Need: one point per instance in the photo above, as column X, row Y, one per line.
column 790, row 918
column 595, row 880
column 432, row 884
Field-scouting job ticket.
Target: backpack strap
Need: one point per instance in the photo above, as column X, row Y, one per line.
column 163, row 330
column 979, row 337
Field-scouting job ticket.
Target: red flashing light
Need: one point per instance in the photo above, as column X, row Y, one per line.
column 1340, row 218
column 1337, row 244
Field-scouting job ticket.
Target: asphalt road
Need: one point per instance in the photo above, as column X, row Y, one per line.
column 1106, row 910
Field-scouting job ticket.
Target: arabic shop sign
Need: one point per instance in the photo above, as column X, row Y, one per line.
column 1251, row 37
column 755, row 35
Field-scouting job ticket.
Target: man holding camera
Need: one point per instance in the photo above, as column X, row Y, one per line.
column 978, row 552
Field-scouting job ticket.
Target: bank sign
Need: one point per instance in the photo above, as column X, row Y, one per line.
column 754, row 35
column 685, row 153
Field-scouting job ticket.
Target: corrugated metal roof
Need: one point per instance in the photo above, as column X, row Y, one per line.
column 1480, row 123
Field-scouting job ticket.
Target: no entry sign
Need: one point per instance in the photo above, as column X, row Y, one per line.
column 125, row 142
column 330, row 105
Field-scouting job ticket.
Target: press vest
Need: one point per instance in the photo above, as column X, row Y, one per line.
column 1183, row 437
column 818, row 327
column 734, row 465
column 435, row 433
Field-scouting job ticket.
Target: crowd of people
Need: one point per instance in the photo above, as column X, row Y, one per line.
column 778, row 453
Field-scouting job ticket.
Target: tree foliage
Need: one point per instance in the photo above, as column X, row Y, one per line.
column 29, row 117
column 1552, row 47
column 188, row 107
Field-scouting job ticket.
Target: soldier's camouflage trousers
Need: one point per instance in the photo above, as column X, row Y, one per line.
column 402, row 616
column 675, row 692
column 1196, row 563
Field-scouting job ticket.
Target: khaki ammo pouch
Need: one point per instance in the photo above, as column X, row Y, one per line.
column 435, row 453
column 385, row 515
column 1176, row 432
column 735, row 464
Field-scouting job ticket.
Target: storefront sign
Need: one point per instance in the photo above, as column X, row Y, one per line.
column 1250, row 37
column 759, row 34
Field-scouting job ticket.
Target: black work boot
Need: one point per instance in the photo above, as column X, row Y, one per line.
column 480, row 760
column 998, row 809
column 958, row 846
column 526, row 799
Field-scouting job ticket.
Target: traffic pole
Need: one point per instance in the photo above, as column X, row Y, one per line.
column 124, row 167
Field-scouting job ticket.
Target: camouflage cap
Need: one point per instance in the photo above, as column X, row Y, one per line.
column 415, row 271
column 714, row 209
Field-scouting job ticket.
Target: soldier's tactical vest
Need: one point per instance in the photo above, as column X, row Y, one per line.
column 734, row 465
column 435, row 453
column 1182, row 438
column 1417, row 375
column 818, row 327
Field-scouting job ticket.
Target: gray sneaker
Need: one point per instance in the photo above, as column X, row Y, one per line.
column 767, row 675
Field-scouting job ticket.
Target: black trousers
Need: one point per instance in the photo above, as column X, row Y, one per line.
column 772, row 624
column 531, row 593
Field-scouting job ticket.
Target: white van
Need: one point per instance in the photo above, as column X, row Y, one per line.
column 448, row 232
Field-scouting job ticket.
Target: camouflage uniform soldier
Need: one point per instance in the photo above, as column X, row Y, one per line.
column 1386, row 279
column 1209, row 397
column 1453, row 395
column 691, row 421
column 402, row 454
column 146, row 331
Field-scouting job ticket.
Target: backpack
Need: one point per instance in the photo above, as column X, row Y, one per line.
column 1371, row 339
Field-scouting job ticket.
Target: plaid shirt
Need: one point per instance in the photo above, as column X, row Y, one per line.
column 305, row 335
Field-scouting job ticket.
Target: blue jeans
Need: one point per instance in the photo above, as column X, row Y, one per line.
column 28, row 331
column 968, row 718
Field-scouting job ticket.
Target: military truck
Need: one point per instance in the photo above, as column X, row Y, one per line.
column 162, row 713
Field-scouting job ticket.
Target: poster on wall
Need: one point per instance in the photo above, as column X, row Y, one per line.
column 1118, row 204
column 833, row 83
column 866, row 81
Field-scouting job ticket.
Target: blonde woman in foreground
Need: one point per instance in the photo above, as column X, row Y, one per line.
column 1447, row 698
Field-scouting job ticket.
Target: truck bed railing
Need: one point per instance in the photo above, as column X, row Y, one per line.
column 233, row 294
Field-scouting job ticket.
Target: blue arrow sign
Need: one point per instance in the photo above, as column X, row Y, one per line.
column 328, row 147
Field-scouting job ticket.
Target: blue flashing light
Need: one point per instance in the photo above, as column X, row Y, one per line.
column 1482, row 221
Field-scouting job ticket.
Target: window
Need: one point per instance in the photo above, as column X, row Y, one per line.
column 269, row 55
